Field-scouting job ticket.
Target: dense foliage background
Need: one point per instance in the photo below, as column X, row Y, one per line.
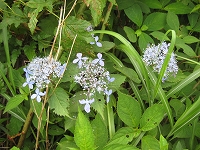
column 143, row 112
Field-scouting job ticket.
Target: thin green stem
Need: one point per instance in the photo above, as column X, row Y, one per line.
column 6, row 47
column 106, row 19
column 111, row 125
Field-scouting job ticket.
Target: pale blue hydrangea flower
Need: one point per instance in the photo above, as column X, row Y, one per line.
column 99, row 60
column 80, row 60
column 96, row 38
column 155, row 55
column 87, row 104
column 93, row 77
column 38, row 95
column 38, row 73
column 108, row 93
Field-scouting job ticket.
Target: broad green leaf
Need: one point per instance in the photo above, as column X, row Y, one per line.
column 14, row 102
column 55, row 130
column 197, row 26
column 100, row 132
column 130, row 34
column 159, row 35
column 134, row 13
column 178, row 8
column 120, row 147
column 197, row 7
column 144, row 40
column 59, row 102
column 119, row 79
column 130, row 73
column 83, row 133
column 187, row 49
column 124, row 136
column 14, row 126
column 152, row 117
column 150, row 142
column 129, row 110
column 106, row 46
column 29, row 50
column 154, row 4
column 190, row 39
column 178, row 106
column 123, row 4
column 96, row 7
column 99, row 104
column 193, row 18
column 172, row 21
column 163, row 143
column 155, row 21
column 14, row 148
column 66, row 144
column 72, row 27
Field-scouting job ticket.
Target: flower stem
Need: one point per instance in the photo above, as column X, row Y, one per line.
column 111, row 125
column 106, row 19
column 25, row 128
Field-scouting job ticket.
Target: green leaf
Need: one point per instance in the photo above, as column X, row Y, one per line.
column 129, row 110
column 172, row 21
column 29, row 50
column 190, row 39
column 193, row 18
column 130, row 73
column 72, row 27
column 120, row 147
column 119, row 79
column 134, row 13
column 123, row 4
column 59, row 102
column 14, row 148
column 100, row 131
column 159, row 35
column 152, row 117
column 96, row 7
column 67, row 144
column 186, row 49
column 130, row 34
column 83, row 134
column 155, row 21
column 144, row 40
column 14, row 102
column 14, row 126
column 124, row 136
column 150, row 142
column 106, row 46
column 99, row 104
column 178, row 8
column 163, row 143
column 55, row 130
column 154, row 4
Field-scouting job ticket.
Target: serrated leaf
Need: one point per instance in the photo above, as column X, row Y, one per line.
column 96, row 7
column 134, row 13
column 129, row 110
column 172, row 21
column 155, row 21
column 124, row 136
column 72, row 27
column 123, row 4
column 83, row 134
column 150, row 142
column 152, row 117
column 14, row 102
column 59, row 102
column 130, row 34
column 29, row 50
column 15, row 54
column 100, row 131
column 178, row 8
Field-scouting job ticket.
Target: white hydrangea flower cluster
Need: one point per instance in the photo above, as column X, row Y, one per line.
column 96, row 38
column 93, row 77
column 155, row 55
column 39, row 71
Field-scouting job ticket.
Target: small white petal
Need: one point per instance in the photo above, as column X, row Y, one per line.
column 87, row 108
column 38, row 99
column 82, row 101
column 33, row 96
column 98, row 44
